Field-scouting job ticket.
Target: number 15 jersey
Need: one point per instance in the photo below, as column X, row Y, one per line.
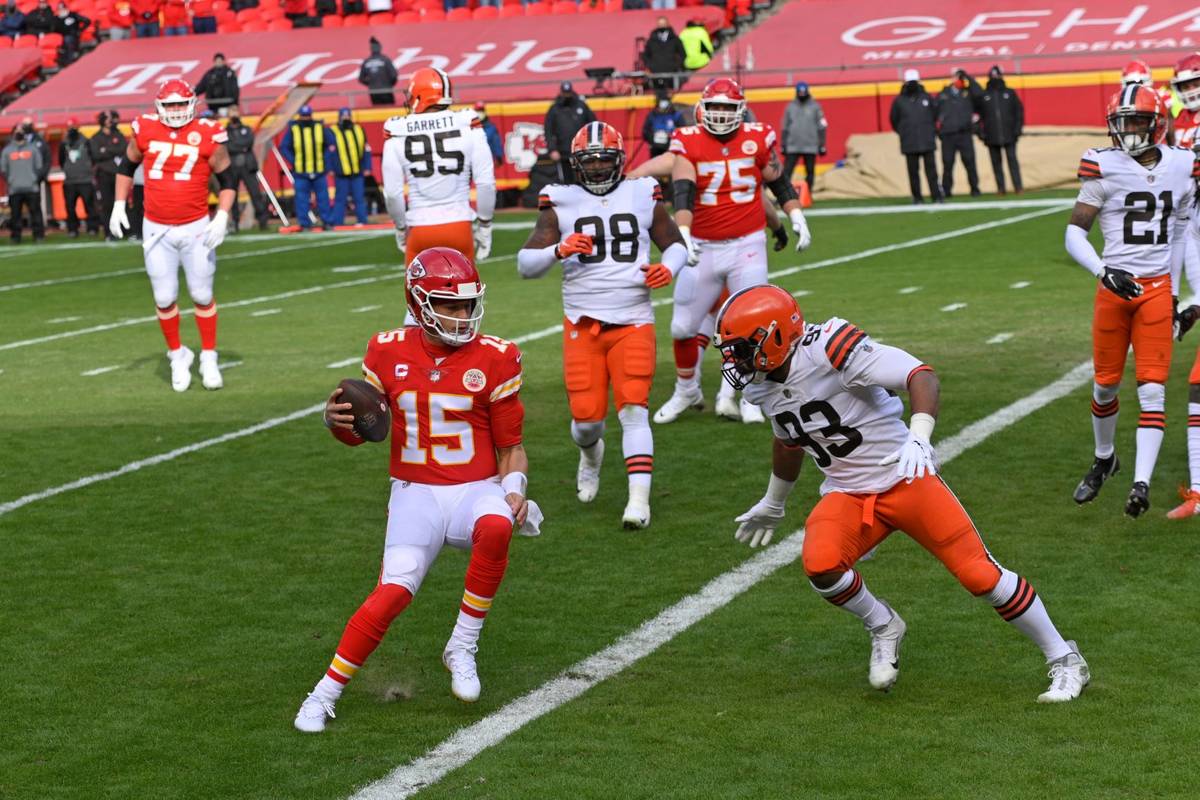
column 1139, row 207
column 839, row 403
column 436, row 155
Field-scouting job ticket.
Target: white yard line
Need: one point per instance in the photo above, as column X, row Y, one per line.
column 1020, row 285
column 472, row 740
column 1000, row 338
column 99, row 371
column 229, row 364
column 954, row 307
column 910, row 289
column 266, row 312
column 61, row 320
column 364, row 309
column 345, row 362
column 360, row 267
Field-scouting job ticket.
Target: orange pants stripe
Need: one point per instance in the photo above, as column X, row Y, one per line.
column 596, row 356
column 458, row 235
column 1145, row 322
column 842, row 527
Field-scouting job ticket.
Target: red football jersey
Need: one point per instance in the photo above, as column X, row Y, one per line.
column 445, row 421
column 175, row 161
column 728, row 178
column 1186, row 125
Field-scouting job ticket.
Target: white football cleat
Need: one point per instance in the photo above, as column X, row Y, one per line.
column 1068, row 676
column 680, row 402
column 750, row 413
column 885, row 651
column 181, row 368
column 727, row 407
column 587, row 477
column 210, row 373
column 636, row 516
column 464, row 678
column 313, row 714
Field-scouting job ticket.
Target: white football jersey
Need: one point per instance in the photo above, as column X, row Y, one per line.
column 839, row 403
column 608, row 285
column 436, row 155
column 1139, row 207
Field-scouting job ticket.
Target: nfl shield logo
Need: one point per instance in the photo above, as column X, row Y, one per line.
column 435, row 375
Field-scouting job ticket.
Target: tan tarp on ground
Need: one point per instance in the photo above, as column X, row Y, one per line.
column 874, row 167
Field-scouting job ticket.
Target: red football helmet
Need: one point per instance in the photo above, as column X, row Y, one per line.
column 1187, row 81
column 1136, row 72
column 176, row 103
column 757, row 330
column 598, row 157
column 721, row 107
column 1136, row 119
column 428, row 87
column 444, row 274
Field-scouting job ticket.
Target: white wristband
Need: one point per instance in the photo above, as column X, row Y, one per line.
column 921, row 426
column 778, row 489
column 515, row 483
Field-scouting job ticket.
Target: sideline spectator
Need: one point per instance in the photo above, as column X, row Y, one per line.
column 663, row 54
column 120, row 21
column 13, row 23
column 175, row 18
column 240, row 145
column 40, row 20
column 71, row 25
column 352, row 161
column 697, row 45
column 20, row 163
column 75, row 159
column 107, row 149
column 1002, row 117
column 204, row 19
column 803, row 134
column 304, row 147
column 145, row 17
column 660, row 122
column 39, row 142
column 219, row 85
column 955, row 120
column 912, row 117
column 490, row 131
column 566, row 115
column 378, row 74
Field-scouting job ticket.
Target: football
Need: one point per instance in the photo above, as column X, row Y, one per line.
column 372, row 419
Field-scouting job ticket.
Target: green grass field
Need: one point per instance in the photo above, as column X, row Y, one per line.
column 159, row 629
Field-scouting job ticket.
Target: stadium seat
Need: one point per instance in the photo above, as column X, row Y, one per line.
column 355, row 21
column 269, row 13
column 436, row 15
column 51, row 40
column 26, row 41
column 381, row 18
column 423, row 6
column 407, row 18
column 539, row 9
column 564, row 7
column 332, row 21
column 229, row 27
column 279, row 25
column 246, row 15
column 587, row 8
column 220, row 5
column 5, row 43
column 49, row 58
column 507, row 12
column 486, row 12
column 458, row 15
column 254, row 26
column 612, row 6
column 226, row 16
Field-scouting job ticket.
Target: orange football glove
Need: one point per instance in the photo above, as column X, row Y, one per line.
column 577, row 244
column 657, row 276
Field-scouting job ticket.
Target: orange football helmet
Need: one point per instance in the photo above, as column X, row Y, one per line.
column 1187, row 81
column 444, row 274
column 757, row 330
column 428, row 87
column 1136, row 71
column 1136, row 119
column 721, row 107
column 598, row 157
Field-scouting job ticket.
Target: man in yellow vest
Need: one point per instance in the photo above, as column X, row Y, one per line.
column 352, row 161
column 697, row 46
column 307, row 146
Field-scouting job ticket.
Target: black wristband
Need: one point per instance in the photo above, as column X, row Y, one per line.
column 126, row 168
column 685, row 194
column 227, row 179
column 783, row 190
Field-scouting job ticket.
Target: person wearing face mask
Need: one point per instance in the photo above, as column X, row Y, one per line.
column 12, row 24
column 663, row 56
column 75, row 159
column 240, row 145
column 20, row 164
column 660, row 123
column 378, row 74
column 1002, row 117
column 565, row 117
column 351, row 162
column 912, row 117
column 107, row 149
column 71, row 26
column 43, row 149
column 955, row 119
column 219, row 85
column 803, row 136
column 40, row 20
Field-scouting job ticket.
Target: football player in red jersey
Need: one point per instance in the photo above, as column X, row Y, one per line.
column 180, row 152
column 726, row 161
column 458, row 467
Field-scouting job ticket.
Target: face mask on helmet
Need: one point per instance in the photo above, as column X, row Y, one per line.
column 176, row 114
column 720, row 118
column 1189, row 93
column 1134, row 133
column 452, row 318
column 741, row 359
column 598, row 171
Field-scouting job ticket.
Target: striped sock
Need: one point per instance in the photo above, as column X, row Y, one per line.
column 1017, row 603
column 206, row 323
column 1151, row 427
column 851, row 593
column 637, row 444
column 687, row 356
column 1193, row 440
column 1104, row 424
column 485, row 571
column 168, row 320
column 362, row 635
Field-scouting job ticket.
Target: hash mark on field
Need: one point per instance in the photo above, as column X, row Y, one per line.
column 1000, row 338
column 98, row 371
column 266, row 312
column 364, row 309
column 954, row 307
column 468, row 742
column 229, row 364
column 359, row 267
column 1020, row 285
column 345, row 362
column 801, row 293
column 910, row 289
column 60, row 320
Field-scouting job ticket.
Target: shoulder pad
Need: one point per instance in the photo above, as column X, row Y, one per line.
column 841, row 338
column 1089, row 166
column 392, row 126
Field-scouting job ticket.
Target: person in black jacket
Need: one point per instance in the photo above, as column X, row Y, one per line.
column 71, row 25
column 563, row 120
column 1002, row 118
column 663, row 54
column 219, row 86
column 913, row 117
column 107, row 149
column 240, row 145
column 75, row 160
column 40, row 20
column 955, row 121
column 378, row 74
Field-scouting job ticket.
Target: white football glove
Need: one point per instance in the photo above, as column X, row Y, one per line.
column 533, row 521
column 690, row 243
column 118, row 220
column 214, row 231
column 800, row 227
column 401, row 239
column 914, row 459
column 483, row 239
column 758, row 525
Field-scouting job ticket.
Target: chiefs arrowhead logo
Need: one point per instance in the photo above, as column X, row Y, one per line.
column 416, row 270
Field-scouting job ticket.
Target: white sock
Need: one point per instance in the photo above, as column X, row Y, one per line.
column 1017, row 603
column 725, row 391
column 466, row 630
column 1104, row 418
column 586, row 434
column 1151, row 425
column 1193, row 439
column 328, row 689
column 637, row 444
column 852, row 594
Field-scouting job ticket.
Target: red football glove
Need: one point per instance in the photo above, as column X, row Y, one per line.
column 657, row 276
column 577, row 244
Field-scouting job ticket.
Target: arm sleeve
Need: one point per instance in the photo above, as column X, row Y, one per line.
column 393, row 181
column 483, row 172
column 675, row 257
column 1082, row 251
column 534, row 262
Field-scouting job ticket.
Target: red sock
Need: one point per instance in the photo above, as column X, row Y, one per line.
column 366, row 628
column 687, row 355
column 206, row 323
column 168, row 320
column 489, row 559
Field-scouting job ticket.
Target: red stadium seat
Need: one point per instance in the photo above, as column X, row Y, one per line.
column 279, row 25
column 49, row 57
column 5, row 43
column 564, row 7
column 512, row 11
column 381, row 18
column 436, row 15
column 247, row 14
column 537, row 9
column 612, row 6
column 229, row 27
column 587, row 8
column 423, row 6
column 407, row 18
column 220, row 5
column 51, row 40
column 355, row 21
column 26, row 41
column 331, row 21
column 254, row 26
column 458, row 15
column 486, row 12
column 226, row 16
column 269, row 13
